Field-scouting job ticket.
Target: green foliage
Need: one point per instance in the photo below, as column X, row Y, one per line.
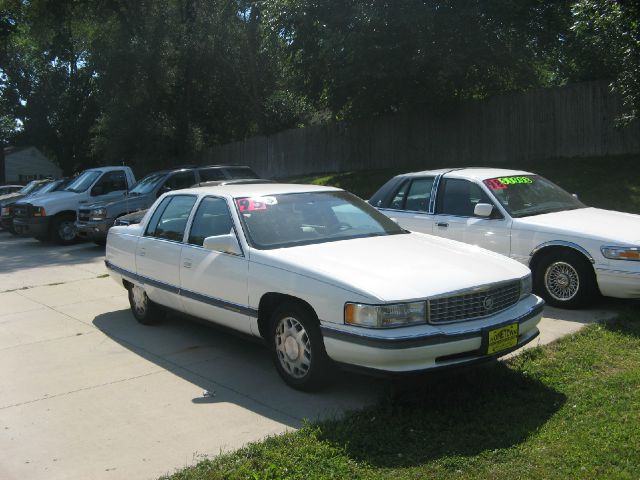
column 610, row 30
column 157, row 82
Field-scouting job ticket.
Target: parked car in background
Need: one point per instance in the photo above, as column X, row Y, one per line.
column 322, row 278
column 574, row 251
column 6, row 212
column 95, row 219
column 53, row 216
column 5, row 189
column 30, row 187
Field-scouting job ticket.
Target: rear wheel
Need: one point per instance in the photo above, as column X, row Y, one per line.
column 63, row 230
column 297, row 348
column 145, row 311
column 565, row 279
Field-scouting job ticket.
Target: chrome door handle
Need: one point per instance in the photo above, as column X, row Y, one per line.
column 442, row 224
column 142, row 252
column 186, row 263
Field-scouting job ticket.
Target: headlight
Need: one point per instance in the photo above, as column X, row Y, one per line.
column 621, row 253
column 39, row 212
column 98, row 214
column 385, row 316
column 525, row 286
column 6, row 211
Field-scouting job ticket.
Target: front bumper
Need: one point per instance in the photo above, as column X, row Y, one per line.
column 620, row 282
column 6, row 223
column 94, row 230
column 456, row 344
column 31, row 226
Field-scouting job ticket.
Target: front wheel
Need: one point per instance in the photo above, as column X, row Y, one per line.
column 297, row 348
column 145, row 311
column 565, row 279
column 63, row 230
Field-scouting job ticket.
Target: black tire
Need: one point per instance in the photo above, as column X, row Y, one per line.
column 63, row 230
column 565, row 279
column 302, row 362
column 144, row 310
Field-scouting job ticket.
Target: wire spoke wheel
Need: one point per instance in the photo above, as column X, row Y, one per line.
column 562, row 281
column 293, row 347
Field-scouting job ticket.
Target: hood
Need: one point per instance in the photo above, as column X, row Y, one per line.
column 396, row 267
column 128, row 200
column 593, row 223
column 10, row 197
column 52, row 198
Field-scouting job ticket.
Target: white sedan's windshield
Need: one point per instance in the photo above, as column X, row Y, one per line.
column 527, row 195
column 292, row 219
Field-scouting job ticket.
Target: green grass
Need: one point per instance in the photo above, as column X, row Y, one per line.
column 567, row 410
column 604, row 182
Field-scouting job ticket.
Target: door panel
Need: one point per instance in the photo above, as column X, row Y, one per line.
column 159, row 262
column 214, row 284
column 214, row 287
column 455, row 219
column 158, row 253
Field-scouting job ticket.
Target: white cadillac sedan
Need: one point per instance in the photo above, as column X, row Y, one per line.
column 322, row 277
column 573, row 251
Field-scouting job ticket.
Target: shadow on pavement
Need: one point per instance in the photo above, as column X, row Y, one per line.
column 18, row 253
column 234, row 369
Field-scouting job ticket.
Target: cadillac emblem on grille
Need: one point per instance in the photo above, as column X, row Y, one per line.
column 487, row 303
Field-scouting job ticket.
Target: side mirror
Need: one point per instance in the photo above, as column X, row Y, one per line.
column 483, row 210
column 223, row 243
column 97, row 190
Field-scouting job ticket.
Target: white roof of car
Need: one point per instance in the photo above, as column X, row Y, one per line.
column 478, row 173
column 256, row 190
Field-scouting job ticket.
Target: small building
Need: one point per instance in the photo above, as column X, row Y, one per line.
column 23, row 164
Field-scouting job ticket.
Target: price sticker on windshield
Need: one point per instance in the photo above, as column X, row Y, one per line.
column 503, row 182
column 255, row 204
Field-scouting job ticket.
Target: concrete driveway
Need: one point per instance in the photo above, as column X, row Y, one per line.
column 87, row 392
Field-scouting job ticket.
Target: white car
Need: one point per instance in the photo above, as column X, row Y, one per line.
column 573, row 251
column 322, row 277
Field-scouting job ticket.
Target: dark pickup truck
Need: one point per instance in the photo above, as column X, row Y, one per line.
column 93, row 221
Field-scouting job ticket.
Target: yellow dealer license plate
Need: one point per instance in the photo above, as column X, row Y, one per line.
column 502, row 338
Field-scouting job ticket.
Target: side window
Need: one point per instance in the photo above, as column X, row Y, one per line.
column 153, row 222
column 111, row 182
column 459, row 197
column 210, row 174
column 211, row 218
column 172, row 222
column 397, row 202
column 180, row 180
column 419, row 195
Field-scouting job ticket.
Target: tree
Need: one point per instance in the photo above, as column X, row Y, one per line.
column 610, row 30
column 364, row 57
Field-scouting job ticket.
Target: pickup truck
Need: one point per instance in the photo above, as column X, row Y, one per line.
column 52, row 217
column 42, row 187
column 95, row 219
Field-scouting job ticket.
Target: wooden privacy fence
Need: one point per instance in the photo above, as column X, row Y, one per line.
column 573, row 121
